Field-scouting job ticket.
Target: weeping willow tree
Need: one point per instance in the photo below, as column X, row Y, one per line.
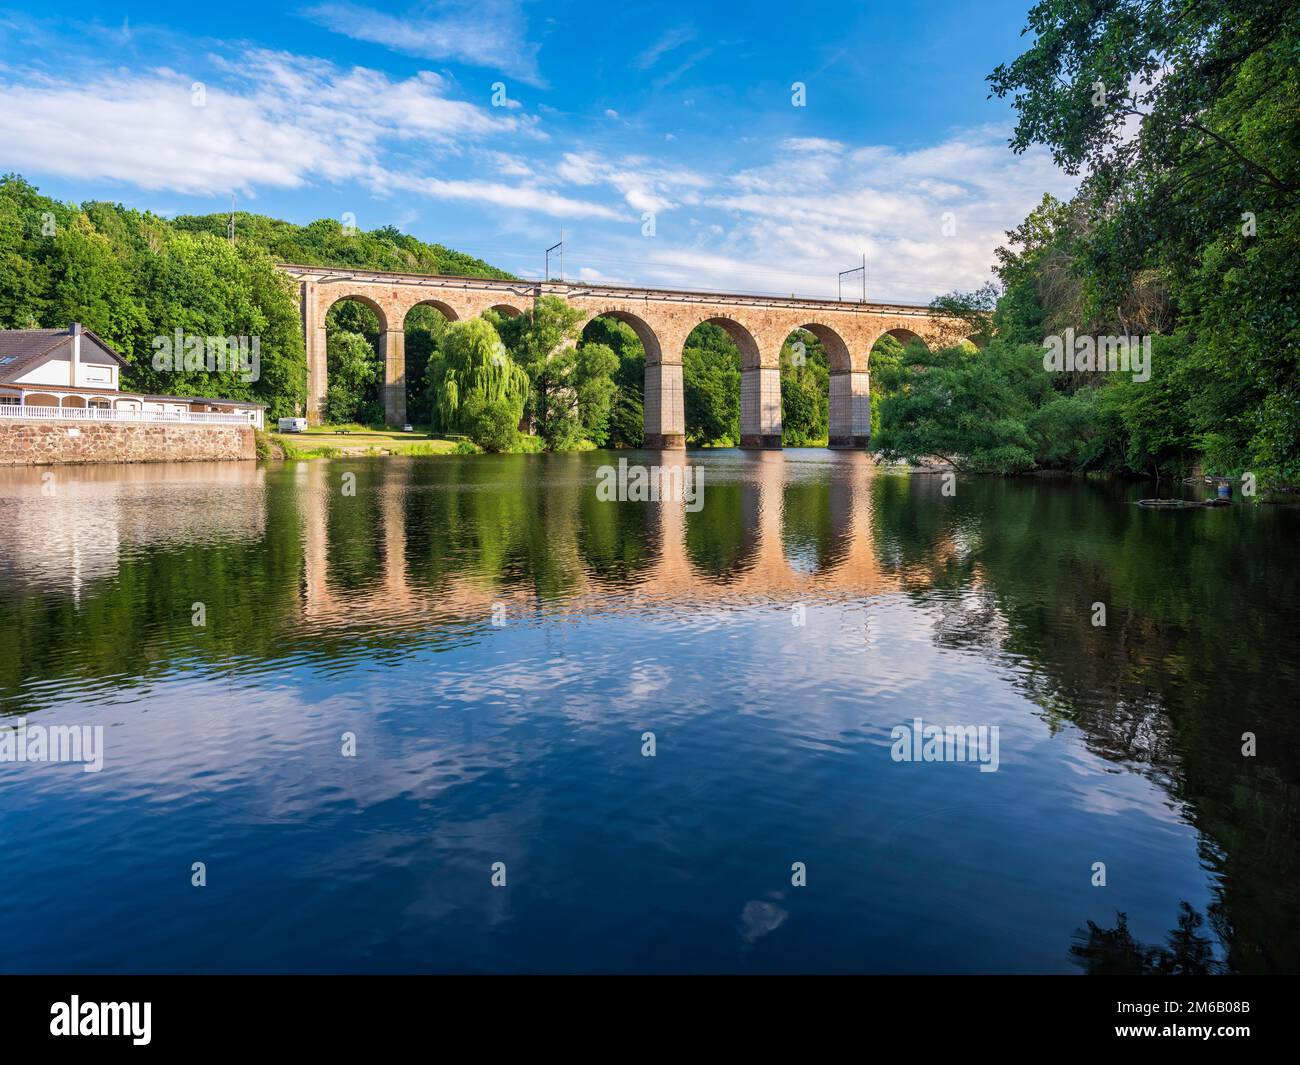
column 478, row 389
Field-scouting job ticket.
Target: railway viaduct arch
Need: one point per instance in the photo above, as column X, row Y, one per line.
column 661, row 318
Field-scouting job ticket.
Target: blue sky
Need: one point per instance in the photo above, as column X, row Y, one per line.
column 664, row 139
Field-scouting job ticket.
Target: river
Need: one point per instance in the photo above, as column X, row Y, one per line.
column 458, row 714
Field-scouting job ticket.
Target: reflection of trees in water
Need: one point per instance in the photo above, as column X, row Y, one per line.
column 355, row 525
column 498, row 518
column 1114, row 951
column 722, row 537
column 617, row 540
column 817, row 522
column 1198, row 613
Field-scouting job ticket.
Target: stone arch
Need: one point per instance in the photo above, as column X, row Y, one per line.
column 389, row 347
column 839, row 360
column 664, row 406
column 445, row 309
column 837, row 351
column 760, row 386
column 849, row 408
column 643, row 330
column 363, row 299
column 904, row 336
column 751, row 357
column 415, row 352
column 506, row 309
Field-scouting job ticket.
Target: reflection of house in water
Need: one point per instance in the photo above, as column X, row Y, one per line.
column 70, row 526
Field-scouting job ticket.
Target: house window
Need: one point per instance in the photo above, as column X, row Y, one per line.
column 6, row 359
column 10, row 401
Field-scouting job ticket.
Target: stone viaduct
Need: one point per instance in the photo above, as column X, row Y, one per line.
column 661, row 318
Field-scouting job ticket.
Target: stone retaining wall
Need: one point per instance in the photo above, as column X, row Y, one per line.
column 40, row 443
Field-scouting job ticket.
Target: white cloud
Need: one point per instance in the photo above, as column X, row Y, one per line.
column 812, row 144
column 481, row 33
column 495, row 194
column 790, row 223
column 507, row 164
column 816, row 206
column 673, row 38
column 643, row 185
column 294, row 122
column 777, row 215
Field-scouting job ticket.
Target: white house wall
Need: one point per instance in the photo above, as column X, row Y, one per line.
column 96, row 370
column 50, row 372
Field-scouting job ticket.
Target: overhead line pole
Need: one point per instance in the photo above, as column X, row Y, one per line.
column 546, row 274
column 857, row 269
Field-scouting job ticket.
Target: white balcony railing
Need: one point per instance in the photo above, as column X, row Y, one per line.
column 99, row 414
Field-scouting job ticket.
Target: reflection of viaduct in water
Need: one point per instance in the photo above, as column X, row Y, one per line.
column 669, row 578
column 662, row 320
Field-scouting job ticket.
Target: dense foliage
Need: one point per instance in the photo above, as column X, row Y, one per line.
column 1185, row 119
column 711, row 387
column 805, row 391
column 627, row 413
column 711, row 366
column 329, row 243
column 478, row 389
column 132, row 277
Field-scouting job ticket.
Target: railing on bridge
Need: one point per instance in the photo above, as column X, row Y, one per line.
column 19, row 412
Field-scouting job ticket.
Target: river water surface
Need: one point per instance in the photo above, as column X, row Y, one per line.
column 354, row 688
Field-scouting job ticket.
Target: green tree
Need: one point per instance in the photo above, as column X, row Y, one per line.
column 480, row 390
column 1184, row 118
column 805, row 391
column 711, row 387
column 594, row 369
column 627, row 417
column 208, row 288
column 352, row 376
column 541, row 340
column 964, row 408
column 424, row 328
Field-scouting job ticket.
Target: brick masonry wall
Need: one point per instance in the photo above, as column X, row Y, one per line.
column 49, row 443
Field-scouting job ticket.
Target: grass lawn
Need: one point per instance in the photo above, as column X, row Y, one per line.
column 325, row 440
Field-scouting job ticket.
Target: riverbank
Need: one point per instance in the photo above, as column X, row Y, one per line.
column 346, row 441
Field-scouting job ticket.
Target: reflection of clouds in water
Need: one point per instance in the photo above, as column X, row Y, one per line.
column 648, row 678
column 758, row 918
column 1106, row 790
column 270, row 751
column 802, row 559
